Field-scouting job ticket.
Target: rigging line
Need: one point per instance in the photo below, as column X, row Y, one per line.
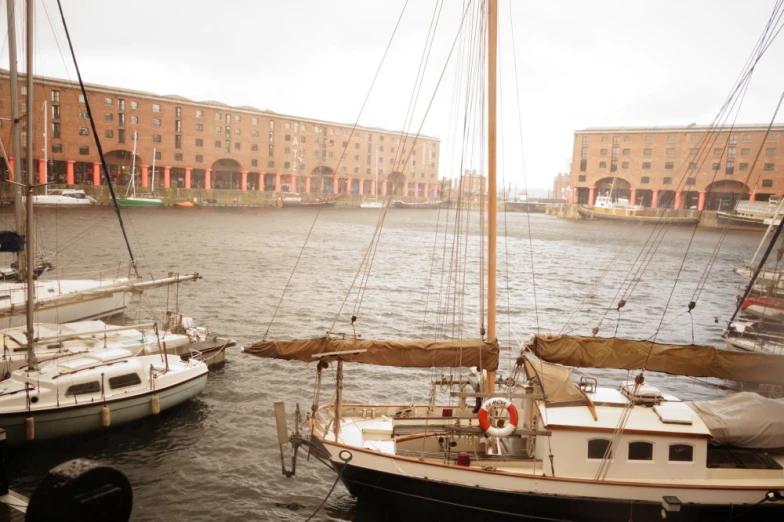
column 525, row 176
column 95, row 135
column 291, row 276
column 430, row 104
column 370, row 89
column 754, row 163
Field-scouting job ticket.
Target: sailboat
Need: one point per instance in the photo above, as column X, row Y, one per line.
column 131, row 199
column 88, row 391
column 543, row 447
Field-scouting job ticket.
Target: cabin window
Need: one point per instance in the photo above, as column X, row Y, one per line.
column 597, row 448
column 132, row 379
column 640, row 451
column 84, row 388
column 681, row 453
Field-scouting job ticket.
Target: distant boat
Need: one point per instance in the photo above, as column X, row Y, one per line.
column 373, row 203
column 63, row 198
column 140, row 200
column 752, row 214
column 294, row 200
column 185, row 204
column 621, row 210
column 423, row 205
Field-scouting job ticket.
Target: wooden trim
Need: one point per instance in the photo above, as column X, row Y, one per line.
column 593, row 429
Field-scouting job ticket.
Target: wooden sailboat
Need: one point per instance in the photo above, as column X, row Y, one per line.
column 543, row 447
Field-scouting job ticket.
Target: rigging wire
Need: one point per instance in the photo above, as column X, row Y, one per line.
column 95, row 135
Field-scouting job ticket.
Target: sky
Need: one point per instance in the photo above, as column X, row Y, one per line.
column 578, row 63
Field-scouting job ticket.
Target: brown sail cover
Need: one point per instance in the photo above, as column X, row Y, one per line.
column 690, row 360
column 411, row 354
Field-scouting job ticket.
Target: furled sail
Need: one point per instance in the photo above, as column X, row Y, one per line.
column 410, row 354
column 690, row 360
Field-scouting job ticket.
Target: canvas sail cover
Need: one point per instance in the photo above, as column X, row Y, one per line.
column 744, row 420
column 411, row 354
column 556, row 382
column 690, row 360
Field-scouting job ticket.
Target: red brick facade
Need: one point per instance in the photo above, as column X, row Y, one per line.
column 213, row 145
column 678, row 167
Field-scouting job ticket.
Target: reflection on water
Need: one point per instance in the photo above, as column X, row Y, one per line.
column 217, row 457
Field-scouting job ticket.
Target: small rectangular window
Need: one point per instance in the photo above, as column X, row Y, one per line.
column 109, row 134
column 134, row 120
column 123, row 381
column 667, row 181
column 581, row 178
column 254, row 163
column 156, row 138
column 645, row 180
column 106, row 101
column 716, row 166
column 671, row 152
column 669, row 165
column 270, row 163
column 603, row 152
column 770, row 152
column 624, row 164
column 199, row 142
column 121, row 105
column 178, row 156
column 134, row 105
column 108, row 116
column 178, row 112
column 156, row 107
column 640, row 451
column 646, row 164
column 199, row 158
column 83, row 131
column 648, row 139
column 199, row 113
column 767, row 183
column 56, row 96
column 769, row 166
column 647, row 152
column 602, row 164
column 57, row 148
column 690, row 181
column 83, row 389
column 156, row 123
column 681, row 453
column 744, row 166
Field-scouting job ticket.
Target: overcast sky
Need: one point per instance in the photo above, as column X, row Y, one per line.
column 580, row 63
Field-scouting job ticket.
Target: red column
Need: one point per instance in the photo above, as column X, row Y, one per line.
column 678, row 194
column 571, row 195
column 361, row 186
column 69, row 172
column 244, row 182
column 277, row 182
column 307, row 183
column 96, row 173
column 633, row 196
column 655, row 199
column 11, row 167
column 591, row 195
column 42, row 171
column 260, row 187
column 293, row 182
column 166, row 177
column 145, row 175
column 405, row 188
column 752, row 196
column 701, row 202
column 207, row 180
column 335, row 186
column 349, row 188
column 373, row 188
column 384, row 188
column 188, row 171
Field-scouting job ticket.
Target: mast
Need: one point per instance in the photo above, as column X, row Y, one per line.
column 46, row 158
column 492, row 30
column 133, row 168
column 32, row 364
column 16, row 146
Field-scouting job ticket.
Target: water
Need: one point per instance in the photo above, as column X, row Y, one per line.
column 216, row 458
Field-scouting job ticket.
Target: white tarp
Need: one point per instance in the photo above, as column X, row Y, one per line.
column 745, row 420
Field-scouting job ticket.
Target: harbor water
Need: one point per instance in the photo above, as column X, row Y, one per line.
column 217, row 458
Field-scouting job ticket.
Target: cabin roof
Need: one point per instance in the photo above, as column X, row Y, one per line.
column 609, row 404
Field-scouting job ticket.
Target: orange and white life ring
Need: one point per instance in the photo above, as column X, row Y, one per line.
column 484, row 422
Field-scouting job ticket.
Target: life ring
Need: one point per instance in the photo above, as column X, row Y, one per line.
column 484, row 422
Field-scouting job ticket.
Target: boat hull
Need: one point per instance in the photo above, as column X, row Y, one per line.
column 588, row 213
column 308, row 204
column 746, row 222
column 403, row 487
column 139, row 202
column 84, row 418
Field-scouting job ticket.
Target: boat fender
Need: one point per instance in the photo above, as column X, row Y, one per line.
column 106, row 417
column 484, row 422
column 30, row 428
column 156, row 405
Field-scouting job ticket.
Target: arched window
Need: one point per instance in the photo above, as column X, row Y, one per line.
column 597, row 448
column 640, row 451
column 681, row 453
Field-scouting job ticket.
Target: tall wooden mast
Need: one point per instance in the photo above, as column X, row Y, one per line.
column 492, row 52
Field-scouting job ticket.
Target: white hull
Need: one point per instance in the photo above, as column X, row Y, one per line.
column 14, row 294
column 765, row 312
column 754, row 344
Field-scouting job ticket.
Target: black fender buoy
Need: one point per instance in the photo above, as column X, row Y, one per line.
column 80, row 490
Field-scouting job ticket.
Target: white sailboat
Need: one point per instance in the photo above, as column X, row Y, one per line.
column 131, row 199
column 544, row 447
column 87, row 391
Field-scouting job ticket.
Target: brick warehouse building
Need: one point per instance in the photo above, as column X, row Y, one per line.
column 212, row 145
column 679, row 166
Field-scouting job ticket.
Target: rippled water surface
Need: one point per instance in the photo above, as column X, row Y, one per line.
column 216, row 458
